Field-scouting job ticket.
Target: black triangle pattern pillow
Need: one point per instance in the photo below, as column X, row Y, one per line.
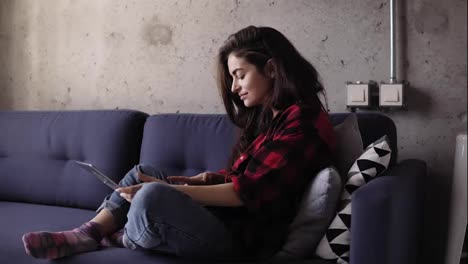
column 335, row 244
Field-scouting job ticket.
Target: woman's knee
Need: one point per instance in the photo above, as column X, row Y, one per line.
column 131, row 178
column 147, row 209
column 151, row 195
column 146, row 168
column 151, row 171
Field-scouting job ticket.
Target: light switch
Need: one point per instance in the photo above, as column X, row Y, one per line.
column 357, row 94
column 391, row 94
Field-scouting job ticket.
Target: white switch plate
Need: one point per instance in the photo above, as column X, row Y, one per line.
column 391, row 94
column 357, row 94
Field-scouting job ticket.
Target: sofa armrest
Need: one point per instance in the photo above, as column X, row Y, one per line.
column 387, row 215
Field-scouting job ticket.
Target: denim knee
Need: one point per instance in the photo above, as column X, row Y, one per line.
column 144, row 216
column 150, row 195
column 151, row 171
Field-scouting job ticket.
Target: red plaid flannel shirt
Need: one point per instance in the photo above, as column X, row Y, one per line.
column 272, row 173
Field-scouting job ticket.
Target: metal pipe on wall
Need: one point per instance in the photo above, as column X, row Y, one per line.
column 393, row 78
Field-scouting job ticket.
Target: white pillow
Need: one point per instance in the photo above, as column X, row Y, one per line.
column 317, row 209
column 349, row 144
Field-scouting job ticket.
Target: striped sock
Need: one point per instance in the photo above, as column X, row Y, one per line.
column 52, row 245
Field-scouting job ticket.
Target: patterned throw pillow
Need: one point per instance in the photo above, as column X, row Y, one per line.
column 335, row 244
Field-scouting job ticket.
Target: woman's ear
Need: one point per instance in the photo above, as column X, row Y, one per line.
column 270, row 69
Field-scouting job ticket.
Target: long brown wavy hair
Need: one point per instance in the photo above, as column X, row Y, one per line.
column 296, row 80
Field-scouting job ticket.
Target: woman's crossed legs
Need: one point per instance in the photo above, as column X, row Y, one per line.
column 160, row 218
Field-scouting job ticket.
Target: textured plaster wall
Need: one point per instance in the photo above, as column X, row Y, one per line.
column 158, row 56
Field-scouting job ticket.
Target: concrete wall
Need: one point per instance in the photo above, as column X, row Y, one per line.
column 157, row 56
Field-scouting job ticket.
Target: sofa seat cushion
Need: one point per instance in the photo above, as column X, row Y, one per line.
column 19, row 218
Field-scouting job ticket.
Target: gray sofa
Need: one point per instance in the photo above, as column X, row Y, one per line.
column 42, row 189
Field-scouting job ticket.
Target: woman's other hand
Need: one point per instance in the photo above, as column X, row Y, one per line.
column 200, row 179
column 130, row 191
column 145, row 178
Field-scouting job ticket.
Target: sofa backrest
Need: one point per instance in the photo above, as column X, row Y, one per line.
column 187, row 144
column 37, row 149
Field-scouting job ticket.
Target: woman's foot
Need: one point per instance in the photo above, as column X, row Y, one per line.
column 114, row 240
column 52, row 245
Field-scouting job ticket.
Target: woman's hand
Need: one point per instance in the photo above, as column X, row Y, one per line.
column 130, row 191
column 200, row 179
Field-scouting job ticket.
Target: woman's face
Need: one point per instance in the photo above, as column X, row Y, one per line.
column 248, row 83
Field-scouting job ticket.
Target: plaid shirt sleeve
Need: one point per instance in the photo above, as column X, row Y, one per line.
column 272, row 172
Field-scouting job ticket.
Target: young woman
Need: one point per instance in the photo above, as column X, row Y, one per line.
column 271, row 93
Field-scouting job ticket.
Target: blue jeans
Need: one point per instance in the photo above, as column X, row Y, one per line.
column 163, row 219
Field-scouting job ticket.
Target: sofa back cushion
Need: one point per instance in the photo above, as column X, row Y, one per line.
column 372, row 127
column 38, row 149
column 187, row 144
